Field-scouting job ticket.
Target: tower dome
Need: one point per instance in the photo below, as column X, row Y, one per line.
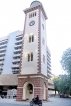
column 35, row 3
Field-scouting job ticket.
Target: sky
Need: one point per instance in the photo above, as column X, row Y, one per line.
column 58, row 25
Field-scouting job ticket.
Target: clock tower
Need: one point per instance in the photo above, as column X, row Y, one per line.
column 32, row 79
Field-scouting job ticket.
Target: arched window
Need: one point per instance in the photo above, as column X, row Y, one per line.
column 33, row 14
column 29, row 15
column 32, row 38
column 28, row 57
column 29, row 39
column 31, row 56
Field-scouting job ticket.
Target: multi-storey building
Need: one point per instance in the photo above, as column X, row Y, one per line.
column 10, row 51
column 26, row 55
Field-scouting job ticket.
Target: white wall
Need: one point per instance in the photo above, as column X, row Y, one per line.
column 43, row 47
column 30, row 67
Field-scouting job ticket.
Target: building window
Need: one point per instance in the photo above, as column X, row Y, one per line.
column 43, row 58
column 32, row 38
column 32, row 14
column 28, row 57
column 35, row 13
column 29, row 39
column 31, row 56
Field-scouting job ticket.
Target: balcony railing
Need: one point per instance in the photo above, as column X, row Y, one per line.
column 17, row 50
column 15, row 65
column 1, row 58
column 1, row 67
column 15, row 55
column 3, row 53
column 2, row 49
column 15, row 60
column 15, row 71
column 18, row 45
column 1, row 62
column 2, row 45
column 17, row 41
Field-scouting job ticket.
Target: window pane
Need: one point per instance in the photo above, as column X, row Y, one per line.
column 31, row 56
column 32, row 38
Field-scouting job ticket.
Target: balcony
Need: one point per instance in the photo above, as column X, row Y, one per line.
column 3, row 49
column 15, row 71
column 17, row 41
column 48, row 75
column 1, row 62
column 17, row 50
column 1, row 58
column 18, row 45
column 15, row 65
column 16, row 60
column 2, row 45
column 49, row 71
column 51, row 86
column 3, row 53
column 17, row 55
column 1, row 67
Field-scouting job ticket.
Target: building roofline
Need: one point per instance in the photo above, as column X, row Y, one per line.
column 34, row 8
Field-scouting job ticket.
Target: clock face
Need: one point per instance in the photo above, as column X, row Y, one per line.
column 32, row 23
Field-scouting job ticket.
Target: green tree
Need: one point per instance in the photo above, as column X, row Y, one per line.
column 62, row 84
column 66, row 61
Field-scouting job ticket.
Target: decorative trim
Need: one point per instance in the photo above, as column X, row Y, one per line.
column 19, row 87
column 38, row 87
column 34, row 8
column 39, row 43
column 22, row 45
column 23, row 77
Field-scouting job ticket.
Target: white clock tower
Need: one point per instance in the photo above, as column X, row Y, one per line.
column 32, row 79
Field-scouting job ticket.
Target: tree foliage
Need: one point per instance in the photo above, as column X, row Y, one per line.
column 66, row 61
column 62, row 84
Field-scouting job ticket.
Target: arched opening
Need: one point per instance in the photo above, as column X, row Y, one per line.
column 32, row 38
column 28, row 92
column 44, row 91
column 33, row 14
column 29, row 39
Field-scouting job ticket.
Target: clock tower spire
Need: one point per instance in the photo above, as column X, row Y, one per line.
column 32, row 79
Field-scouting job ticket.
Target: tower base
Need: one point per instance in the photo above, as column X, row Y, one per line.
column 31, row 85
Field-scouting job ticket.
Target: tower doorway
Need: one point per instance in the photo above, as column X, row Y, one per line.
column 28, row 92
column 44, row 91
